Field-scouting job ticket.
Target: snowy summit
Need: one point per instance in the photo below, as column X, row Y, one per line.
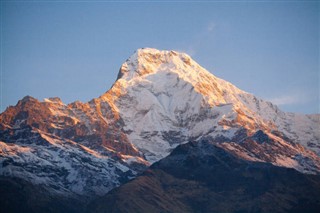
column 160, row 100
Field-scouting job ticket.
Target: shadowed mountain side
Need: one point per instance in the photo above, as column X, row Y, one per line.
column 17, row 195
column 201, row 177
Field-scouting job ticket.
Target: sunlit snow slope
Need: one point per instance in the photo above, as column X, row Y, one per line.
column 165, row 99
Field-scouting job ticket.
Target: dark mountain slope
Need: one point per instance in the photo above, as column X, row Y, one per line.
column 201, row 177
column 18, row 195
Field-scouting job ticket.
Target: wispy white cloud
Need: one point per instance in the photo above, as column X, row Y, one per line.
column 211, row 26
column 284, row 100
column 289, row 99
column 201, row 37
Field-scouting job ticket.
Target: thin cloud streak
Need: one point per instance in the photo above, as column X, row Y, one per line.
column 289, row 99
column 211, row 27
column 284, row 100
column 202, row 37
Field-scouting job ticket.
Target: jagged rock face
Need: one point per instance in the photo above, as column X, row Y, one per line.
column 202, row 177
column 76, row 149
column 78, row 122
column 161, row 99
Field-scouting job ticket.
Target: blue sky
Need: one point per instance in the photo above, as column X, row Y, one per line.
column 74, row 49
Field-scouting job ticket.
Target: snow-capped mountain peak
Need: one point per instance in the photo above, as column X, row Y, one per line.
column 165, row 98
column 148, row 61
column 161, row 99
